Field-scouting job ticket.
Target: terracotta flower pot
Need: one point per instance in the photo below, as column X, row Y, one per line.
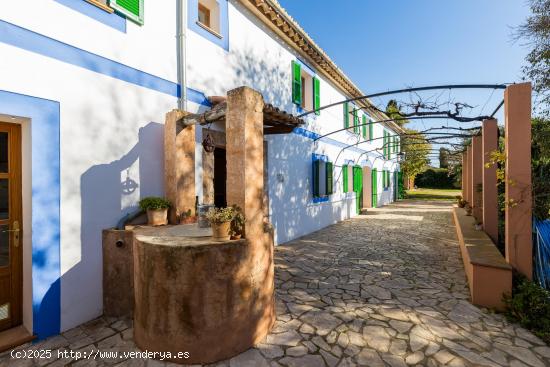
column 157, row 217
column 220, row 231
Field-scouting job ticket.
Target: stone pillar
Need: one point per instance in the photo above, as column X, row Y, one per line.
column 490, row 192
column 179, row 166
column 245, row 187
column 469, row 175
column 464, row 181
column 477, row 177
column 207, row 177
column 518, row 210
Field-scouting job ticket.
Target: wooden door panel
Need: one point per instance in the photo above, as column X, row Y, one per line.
column 11, row 265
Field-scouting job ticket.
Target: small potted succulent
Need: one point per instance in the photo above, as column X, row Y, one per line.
column 237, row 224
column 220, row 221
column 157, row 210
column 188, row 217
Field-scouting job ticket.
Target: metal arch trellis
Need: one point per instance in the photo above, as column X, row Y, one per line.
column 416, row 115
column 416, row 89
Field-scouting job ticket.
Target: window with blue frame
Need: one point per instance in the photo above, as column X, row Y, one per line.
column 323, row 178
column 209, row 19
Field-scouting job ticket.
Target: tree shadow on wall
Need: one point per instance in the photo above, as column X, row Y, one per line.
column 108, row 192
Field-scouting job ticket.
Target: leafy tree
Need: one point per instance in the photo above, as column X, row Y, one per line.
column 416, row 149
column 540, row 165
column 536, row 31
column 443, row 158
column 394, row 112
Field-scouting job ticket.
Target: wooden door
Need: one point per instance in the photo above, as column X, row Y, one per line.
column 11, row 259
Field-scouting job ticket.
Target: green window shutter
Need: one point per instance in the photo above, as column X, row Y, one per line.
column 364, row 128
column 345, row 177
column 371, row 126
column 316, row 95
column 316, row 175
column 355, row 121
column 132, row 9
column 384, row 144
column 374, row 182
column 296, row 83
column 329, row 176
column 346, row 115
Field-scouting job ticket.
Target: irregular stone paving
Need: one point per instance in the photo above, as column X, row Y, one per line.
column 385, row 289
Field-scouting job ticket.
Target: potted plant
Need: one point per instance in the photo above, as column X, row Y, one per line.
column 237, row 224
column 468, row 209
column 220, row 221
column 188, row 218
column 157, row 210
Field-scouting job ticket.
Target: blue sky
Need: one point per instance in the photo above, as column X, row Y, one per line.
column 390, row 44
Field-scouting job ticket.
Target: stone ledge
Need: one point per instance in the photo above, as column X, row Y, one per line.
column 489, row 276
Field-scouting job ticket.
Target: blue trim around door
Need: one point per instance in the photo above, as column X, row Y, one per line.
column 46, row 266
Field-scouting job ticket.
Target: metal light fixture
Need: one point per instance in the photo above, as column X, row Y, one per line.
column 208, row 143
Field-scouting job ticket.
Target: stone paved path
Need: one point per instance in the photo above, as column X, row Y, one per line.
column 385, row 289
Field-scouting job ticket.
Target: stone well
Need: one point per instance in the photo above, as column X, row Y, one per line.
column 195, row 295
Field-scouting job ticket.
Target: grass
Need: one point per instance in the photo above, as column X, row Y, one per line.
column 432, row 194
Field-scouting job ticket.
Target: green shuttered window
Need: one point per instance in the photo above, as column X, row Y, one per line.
column 330, row 179
column 316, row 95
column 345, row 177
column 355, row 121
column 346, row 115
column 296, row 83
column 132, row 9
column 316, row 176
column 322, row 170
column 364, row 127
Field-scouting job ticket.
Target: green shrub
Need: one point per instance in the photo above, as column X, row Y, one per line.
column 154, row 203
column 529, row 306
column 435, row 178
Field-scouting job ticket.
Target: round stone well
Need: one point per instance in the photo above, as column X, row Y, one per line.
column 197, row 295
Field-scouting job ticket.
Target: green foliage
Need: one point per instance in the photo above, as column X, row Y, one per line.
column 220, row 215
column 416, row 149
column 529, row 306
column 540, row 164
column 154, row 203
column 444, row 158
column 436, row 178
column 536, row 31
column 393, row 111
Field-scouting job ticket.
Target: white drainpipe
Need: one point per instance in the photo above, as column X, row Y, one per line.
column 182, row 53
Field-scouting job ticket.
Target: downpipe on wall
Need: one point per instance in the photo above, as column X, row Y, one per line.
column 182, row 52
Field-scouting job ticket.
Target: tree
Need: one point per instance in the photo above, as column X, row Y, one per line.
column 443, row 158
column 536, row 31
column 416, row 149
column 394, row 112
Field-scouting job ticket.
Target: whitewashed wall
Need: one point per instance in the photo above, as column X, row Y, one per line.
column 111, row 130
column 259, row 59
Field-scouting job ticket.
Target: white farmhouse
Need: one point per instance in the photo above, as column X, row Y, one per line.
column 84, row 89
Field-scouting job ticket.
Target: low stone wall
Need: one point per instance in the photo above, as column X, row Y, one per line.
column 118, row 273
column 489, row 275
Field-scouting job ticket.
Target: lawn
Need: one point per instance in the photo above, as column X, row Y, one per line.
column 432, row 194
